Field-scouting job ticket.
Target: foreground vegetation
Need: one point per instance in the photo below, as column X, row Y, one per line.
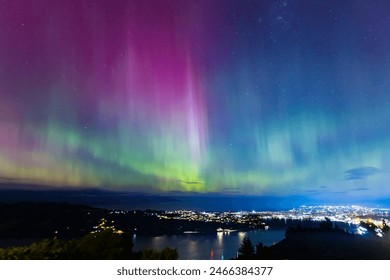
column 103, row 245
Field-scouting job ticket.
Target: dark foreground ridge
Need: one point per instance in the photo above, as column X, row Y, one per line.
column 324, row 243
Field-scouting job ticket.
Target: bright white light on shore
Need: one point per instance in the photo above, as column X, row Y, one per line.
column 361, row 230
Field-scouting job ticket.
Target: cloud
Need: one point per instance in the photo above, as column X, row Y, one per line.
column 190, row 182
column 8, row 179
column 231, row 190
column 361, row 172
column 353, row 190
column 360, row 189
column 312, row 191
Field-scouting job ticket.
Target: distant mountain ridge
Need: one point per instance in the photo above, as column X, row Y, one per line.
column 168, row 201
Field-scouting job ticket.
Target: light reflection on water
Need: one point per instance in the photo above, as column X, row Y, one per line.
column 207, row 246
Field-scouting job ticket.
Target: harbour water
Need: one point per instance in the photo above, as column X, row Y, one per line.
column 202, row 246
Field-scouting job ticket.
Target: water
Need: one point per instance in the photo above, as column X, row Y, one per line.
column 201, row 246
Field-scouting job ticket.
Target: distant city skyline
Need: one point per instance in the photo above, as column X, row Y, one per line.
column 280, row 100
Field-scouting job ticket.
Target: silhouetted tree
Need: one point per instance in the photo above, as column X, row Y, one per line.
column 262, row 252
column 246, row 250
column 259, row 247
column 385, row 227
column 326, row 225
column 371, row 227
column 104, row 245
column 47, row 249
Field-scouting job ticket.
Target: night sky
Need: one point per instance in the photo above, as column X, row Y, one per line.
column 239, row 97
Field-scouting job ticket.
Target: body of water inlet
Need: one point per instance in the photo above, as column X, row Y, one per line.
column 202, row 246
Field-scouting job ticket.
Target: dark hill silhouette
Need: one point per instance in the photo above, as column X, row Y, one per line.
column 63, row 220
column 319, row 244
column 323, row 243
column 46, row 220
